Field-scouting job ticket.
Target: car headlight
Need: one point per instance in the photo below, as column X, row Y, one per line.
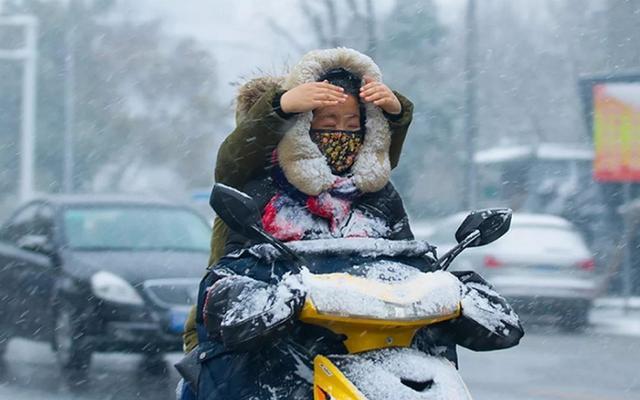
column 108, row 286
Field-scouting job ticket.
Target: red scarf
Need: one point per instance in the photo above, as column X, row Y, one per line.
column 293, row 215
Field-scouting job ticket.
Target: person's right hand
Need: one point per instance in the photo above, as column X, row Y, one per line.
column 309, row 96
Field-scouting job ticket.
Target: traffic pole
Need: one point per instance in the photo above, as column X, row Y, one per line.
column 626, row 264
column 470, row 107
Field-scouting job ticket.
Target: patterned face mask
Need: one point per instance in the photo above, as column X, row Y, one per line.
column 339, row 147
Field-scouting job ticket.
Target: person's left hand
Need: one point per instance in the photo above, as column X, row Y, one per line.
column 379, row 94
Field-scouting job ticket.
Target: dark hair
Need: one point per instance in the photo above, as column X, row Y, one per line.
column 351, row 84
column 345, row 79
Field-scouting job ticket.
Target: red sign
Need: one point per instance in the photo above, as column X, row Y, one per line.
column 616, row 125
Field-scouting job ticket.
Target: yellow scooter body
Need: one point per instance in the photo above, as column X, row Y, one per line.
column 366, row 334
column 330, row 383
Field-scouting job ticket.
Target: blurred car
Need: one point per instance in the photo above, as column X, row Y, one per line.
column 542, row 265
column 100, row 273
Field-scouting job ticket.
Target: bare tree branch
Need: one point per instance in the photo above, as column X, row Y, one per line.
column 371, row 28
column 332, row 19
column 285, row 34
column 354, row 8
column 316, row 22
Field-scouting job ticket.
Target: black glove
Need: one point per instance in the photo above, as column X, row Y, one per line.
column 244, row 313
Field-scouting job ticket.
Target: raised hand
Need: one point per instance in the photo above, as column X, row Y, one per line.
column 309, row 96
column 379, row 94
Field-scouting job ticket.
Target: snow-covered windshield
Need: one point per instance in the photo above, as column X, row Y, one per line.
column 384, row 290
column 135, row 228
column 362, row 247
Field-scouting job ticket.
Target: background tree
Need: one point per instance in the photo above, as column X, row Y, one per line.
column 332, row 23
column 418, row 59
column 409, row 43
column 143, row 99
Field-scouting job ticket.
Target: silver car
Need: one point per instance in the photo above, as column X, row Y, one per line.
column 542, row 265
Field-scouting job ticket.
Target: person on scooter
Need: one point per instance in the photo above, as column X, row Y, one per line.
column 261, row 123
column 329, row 179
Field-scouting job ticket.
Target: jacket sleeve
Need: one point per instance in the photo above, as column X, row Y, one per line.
column 218, row 239
column 487, row 322
column 244, row 313
column 246, row 151
column 190, row 335
column 399, row 125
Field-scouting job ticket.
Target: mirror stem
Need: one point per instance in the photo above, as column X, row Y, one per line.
column 445, row 261
column 298, row 261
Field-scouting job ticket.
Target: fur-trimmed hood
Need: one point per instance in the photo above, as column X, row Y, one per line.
column 302, row 162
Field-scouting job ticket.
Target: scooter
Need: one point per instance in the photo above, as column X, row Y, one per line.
column 379, row 329
column 377, row 311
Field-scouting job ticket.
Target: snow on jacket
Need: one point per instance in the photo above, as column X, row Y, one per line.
column 289, row 214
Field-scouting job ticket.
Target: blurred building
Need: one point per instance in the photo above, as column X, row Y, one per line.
column 555, row 178
column 535, row 178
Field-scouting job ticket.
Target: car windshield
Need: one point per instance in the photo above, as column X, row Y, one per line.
column 135, row 228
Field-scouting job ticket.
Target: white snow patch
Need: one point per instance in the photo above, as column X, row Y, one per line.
column 478, row 307
column 365, row 247
column 618, row 302
column 387, row 271
column 294, row 219
column 379, row 375
column 542, row 151
column 361, row 225
column 236, row 191
column 303, row 370
column 420, row 296
column 255, row 301
column 615, row 321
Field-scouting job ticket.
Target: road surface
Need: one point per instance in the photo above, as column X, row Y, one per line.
column 601, row 363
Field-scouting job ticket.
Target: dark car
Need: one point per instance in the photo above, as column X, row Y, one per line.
column 100, row 273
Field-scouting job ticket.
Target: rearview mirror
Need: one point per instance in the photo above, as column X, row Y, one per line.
column 238, row 210
column 37, row 243
column 492, row 223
